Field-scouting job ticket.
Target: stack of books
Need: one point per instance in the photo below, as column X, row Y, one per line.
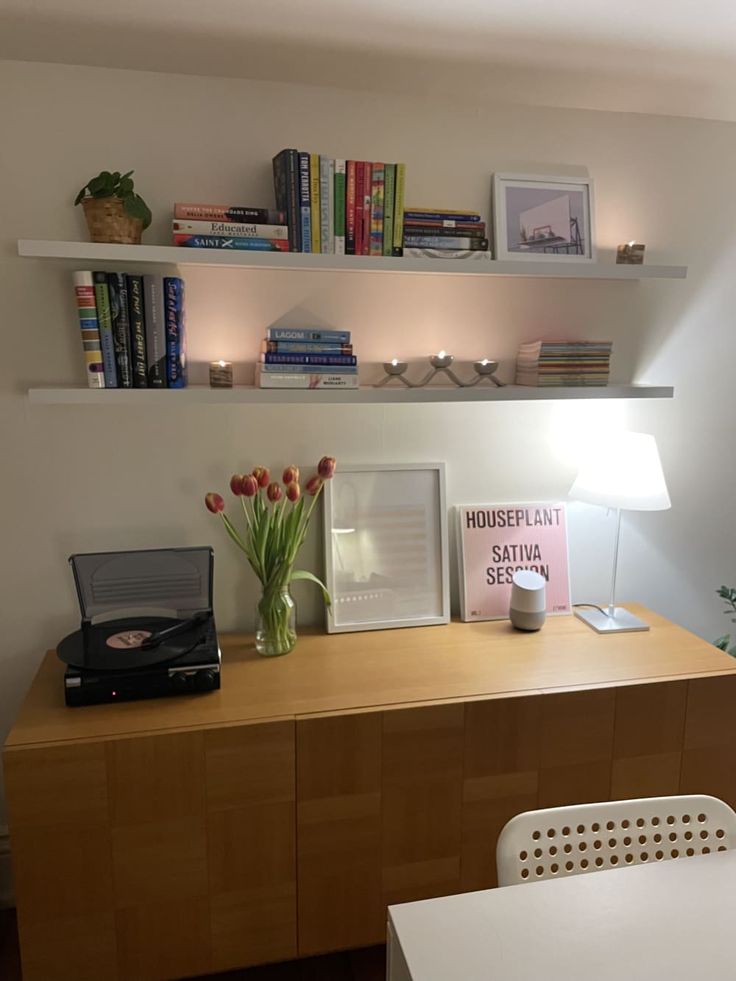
column 563, row 363
column 225, row 226
column 439, row 233
column 340, row 207
column 133, row 329
column 305, row 358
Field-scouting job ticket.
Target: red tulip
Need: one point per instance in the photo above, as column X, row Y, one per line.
column 250, row 486
column 326, row 467
column 262, row 476
column 291, row 475
column 314, row 485
column 293, row 491
column 214, row 503
column 274, row 492
column 236, row 483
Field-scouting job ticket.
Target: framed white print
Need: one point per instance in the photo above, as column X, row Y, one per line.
column 386, row 552
column 543, row 219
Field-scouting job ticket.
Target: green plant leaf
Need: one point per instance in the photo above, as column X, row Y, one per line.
column 125, row 187
column 310, row 577
column 723, row 642
column 136, row 207
column 80, row 196
column 129, row 173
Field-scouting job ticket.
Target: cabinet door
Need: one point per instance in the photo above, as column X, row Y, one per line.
column 339, row 832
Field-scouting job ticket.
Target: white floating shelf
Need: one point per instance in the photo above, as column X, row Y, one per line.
column 296, row 261
column 202, row 395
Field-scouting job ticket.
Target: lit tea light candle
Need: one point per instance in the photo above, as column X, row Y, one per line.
column 441, row 360
column 394, row 369
column 485, row 367
column 221, row 374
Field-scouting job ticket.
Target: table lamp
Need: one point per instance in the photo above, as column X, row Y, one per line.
column 625, row 473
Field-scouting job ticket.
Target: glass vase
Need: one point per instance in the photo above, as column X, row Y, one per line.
column 275, row 622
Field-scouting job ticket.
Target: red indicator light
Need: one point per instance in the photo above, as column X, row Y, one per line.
column 114, row 693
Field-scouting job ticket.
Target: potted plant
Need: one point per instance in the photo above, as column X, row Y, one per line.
column 273, row 528
column 114, row 212
column 728, row 594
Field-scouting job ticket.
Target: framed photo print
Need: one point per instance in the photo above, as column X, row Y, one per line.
column 548, row 219
column 386, row 546
column 496, row 540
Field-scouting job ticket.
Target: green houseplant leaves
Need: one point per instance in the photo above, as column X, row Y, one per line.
column 109, row 184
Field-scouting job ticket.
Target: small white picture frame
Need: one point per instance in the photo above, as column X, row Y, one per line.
column 543, row 218
column 386, row 546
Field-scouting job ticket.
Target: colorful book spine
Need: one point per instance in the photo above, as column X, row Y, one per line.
column 367, row 204
column 388, row 207
column 84, row 291
column 306, row 369
column 176, row 351
column 305, row 208
column 314, row 203
column 339, row 184
column 452, row 228
column 350, row 207
column 398, row 242
column 326, row 200
column 307, row 334
column 411, row 252
column 229, row 212
column 377, row 191
column 227, row 228
column 305, row 347
column 233, row 244
column 153, row 302
column 104, row 322
column 348, row 360
column 289, row 379
column 438, row 214
column 358, row 206
column 286, row 188
column 117, row 289
column 137, row 322
column 438, row 242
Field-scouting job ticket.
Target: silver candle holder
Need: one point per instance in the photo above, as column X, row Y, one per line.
column 441, row 364
column 485, row 370
column 394, row 369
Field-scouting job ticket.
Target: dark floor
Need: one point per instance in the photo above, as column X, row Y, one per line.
column 354, row 965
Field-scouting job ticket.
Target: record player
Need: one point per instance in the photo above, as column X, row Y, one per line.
column 147, row 626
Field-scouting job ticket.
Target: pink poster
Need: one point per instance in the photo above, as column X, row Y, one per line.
column 497, row 539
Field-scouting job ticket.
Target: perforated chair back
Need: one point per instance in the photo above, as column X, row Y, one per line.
column 561, row 841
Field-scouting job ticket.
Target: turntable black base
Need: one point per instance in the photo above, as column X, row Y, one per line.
column 194, row 670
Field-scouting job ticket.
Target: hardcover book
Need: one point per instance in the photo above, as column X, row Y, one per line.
column 389, row 191
column 84, row 291
column 288, row 379
column 307, row 334
column 137, row 321
column 314, row 202
column 398, row 243
column 327, row 204
column 305, row 369
column 176, row 354
column 358, row 206
column 104, row 321
column 375, row 246
column 153, row 298
column 306, row 347
column 305, row 207
column 233, row 244
column 238, row 229
column 117, row 288
column 367, row 203
column 439, row 214
column 322, row 360
column 441, row 242
column 286, row 188
column 229, row 212
column 496, row 540
column 340, row 168
column 350, row 177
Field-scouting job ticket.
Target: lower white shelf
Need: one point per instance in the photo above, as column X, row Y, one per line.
column 203, row 395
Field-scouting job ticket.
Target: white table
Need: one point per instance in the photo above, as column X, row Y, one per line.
column 673, row 921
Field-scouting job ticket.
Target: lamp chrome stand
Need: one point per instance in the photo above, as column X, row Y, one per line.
column 614, row 619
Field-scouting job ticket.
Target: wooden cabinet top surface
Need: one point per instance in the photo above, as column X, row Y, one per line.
column 343, row 673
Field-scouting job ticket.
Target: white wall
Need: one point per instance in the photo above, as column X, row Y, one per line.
column 76, row 479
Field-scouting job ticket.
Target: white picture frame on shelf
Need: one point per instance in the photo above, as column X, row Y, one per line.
column 386, row 546
column 543, row 218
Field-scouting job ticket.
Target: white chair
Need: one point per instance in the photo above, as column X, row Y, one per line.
column 561, row 841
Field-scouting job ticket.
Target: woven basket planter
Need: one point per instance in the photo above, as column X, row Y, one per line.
column 107, row 221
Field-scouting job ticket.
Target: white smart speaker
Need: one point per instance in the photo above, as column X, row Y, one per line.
column 528, row 600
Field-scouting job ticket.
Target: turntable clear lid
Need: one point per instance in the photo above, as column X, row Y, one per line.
column 175, row 579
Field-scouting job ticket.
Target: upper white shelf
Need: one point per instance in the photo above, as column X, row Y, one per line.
column 171, row 255
column 202, row 395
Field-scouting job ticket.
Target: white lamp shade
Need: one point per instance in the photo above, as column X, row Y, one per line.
column 623, row 471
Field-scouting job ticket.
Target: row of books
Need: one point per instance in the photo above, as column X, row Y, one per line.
column 133, row 329
column 574, row 363
column 306, row 358
column 235, row 227
column 442, row 233
column 340, row 207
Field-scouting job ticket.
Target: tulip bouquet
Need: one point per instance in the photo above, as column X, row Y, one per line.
column 276, row 520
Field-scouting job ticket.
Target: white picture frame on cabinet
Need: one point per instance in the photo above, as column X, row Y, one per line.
column 386, row 547
column 543, row 218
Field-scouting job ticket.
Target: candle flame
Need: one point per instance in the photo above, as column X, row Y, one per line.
column 442, row 354
column 632, row 244
column 394, row 361
column 222, row 363
column 484, row 361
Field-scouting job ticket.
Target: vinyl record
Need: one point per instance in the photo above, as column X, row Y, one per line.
column 117, row 644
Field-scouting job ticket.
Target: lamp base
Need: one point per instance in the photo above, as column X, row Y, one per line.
column 620, row 622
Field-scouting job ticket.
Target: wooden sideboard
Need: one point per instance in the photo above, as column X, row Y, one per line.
column 279, row 816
